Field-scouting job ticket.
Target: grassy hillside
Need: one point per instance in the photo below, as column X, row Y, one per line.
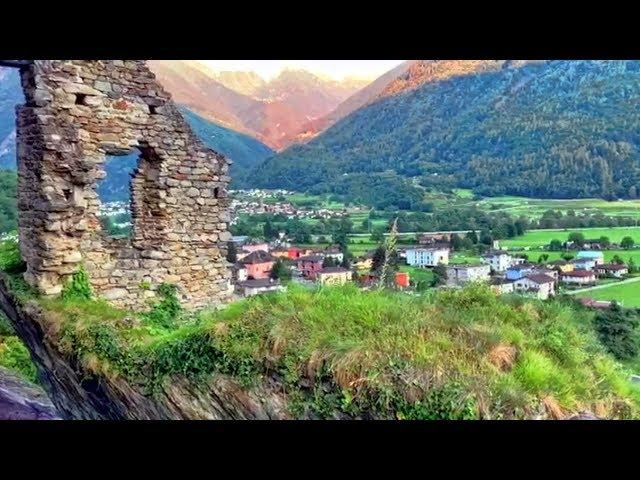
column 559, row 129
column 344, row 353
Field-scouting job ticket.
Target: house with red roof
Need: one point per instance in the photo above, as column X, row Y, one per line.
column 579, row 277
column 258, row 264
column 611, row 270
column 297, row 252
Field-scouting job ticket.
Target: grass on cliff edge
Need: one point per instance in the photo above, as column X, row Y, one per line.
column 342, row 352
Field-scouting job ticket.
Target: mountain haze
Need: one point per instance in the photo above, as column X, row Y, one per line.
column 273, row 111
column 359, row 99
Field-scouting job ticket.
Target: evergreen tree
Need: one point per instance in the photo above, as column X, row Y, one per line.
column 555, row 245
column 390, row 264
column 232, row 252
column 577, row 238
column 378, row 259
column 616, row 329
column 627, row 243
column 269, row 231
column 486, row 239
column 439, row 276
column 280, row 271
column 456, row 242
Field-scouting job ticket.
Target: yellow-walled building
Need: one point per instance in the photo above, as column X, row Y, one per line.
column 334, row 276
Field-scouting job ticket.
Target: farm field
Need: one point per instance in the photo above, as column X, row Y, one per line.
column 457, row 258
column 538, row 238
column 418, row 274
column 534, row 254
column 534, row 208
column 627, row 294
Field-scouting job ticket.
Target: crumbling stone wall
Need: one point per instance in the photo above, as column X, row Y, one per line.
column 76, row 113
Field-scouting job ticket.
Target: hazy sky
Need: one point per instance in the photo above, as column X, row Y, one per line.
column 336, row 69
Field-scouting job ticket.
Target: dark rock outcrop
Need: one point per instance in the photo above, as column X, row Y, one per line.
column 22, row 400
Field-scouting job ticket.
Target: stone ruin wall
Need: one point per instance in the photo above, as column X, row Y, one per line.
column 78, row 112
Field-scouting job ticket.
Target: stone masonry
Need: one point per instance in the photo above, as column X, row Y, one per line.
column 76, row 113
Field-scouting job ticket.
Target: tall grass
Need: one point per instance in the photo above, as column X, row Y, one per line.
column 339, row 351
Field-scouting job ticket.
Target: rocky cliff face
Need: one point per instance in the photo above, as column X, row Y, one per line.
column 78, row 394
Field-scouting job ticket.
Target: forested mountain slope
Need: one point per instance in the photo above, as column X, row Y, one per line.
column 559, row 129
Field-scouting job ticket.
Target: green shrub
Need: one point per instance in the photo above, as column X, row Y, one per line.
column 617, row 330
column 164, row 313
column 5, row 327
column 448, row 402
column 78, row 287
column 15, row 356
column 10, row 258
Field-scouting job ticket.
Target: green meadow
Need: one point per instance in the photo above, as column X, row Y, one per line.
column 534, row 208
column 540, row 238
column 627, row 294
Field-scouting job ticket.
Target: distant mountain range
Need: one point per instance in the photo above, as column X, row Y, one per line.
column 561, row 129
column 274, row 112
column 246, row 152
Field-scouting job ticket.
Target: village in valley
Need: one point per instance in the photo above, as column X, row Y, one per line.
column 552, row 262
column 261, row 266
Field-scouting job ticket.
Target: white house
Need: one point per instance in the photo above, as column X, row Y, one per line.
column 597, row 257
column 334, row 252
column 249, row 288
column 543, row 286
column 578, row 277
column 501, row 285
column 612, row 269
column 460, row 274
column 427, row 257
column 584, row 263
column 241, row 272
column 498, row 260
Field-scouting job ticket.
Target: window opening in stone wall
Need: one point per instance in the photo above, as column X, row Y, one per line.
column 114, row 192
column 148, row 208
column 11, row 95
